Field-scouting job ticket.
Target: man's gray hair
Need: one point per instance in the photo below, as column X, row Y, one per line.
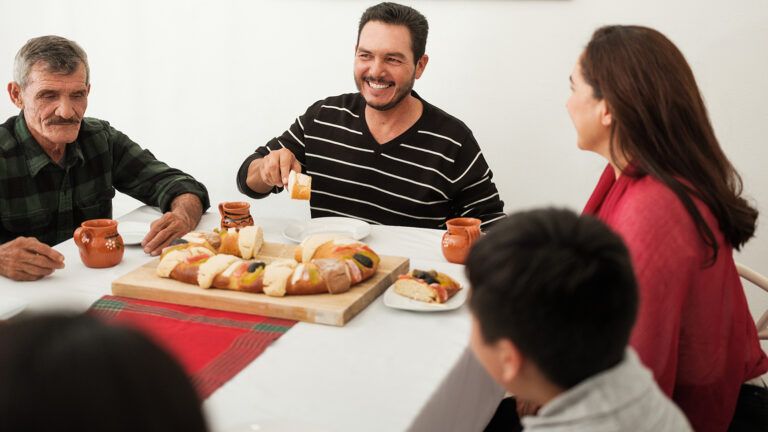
column 59, row 54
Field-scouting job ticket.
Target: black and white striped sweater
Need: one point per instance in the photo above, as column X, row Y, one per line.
column 432, row 172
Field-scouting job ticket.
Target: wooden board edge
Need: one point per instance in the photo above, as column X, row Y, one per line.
column 222, row 304
column 334, row 318
column 370, row 296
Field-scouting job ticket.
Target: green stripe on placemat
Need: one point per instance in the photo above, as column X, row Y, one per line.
column 272, row 328
column 108, row 307
column 109, row 304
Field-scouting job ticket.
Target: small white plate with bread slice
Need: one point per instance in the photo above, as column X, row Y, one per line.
column 345, row 227
column 398, row 301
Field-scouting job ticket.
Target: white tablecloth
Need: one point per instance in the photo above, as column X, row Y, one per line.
column 386, row 370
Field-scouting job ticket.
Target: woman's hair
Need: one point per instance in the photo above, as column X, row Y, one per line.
column 76, row 373
column 661, row 126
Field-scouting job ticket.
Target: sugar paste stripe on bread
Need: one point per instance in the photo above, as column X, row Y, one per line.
column 332, row 265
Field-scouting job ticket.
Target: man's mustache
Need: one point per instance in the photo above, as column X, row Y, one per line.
column 54, row 121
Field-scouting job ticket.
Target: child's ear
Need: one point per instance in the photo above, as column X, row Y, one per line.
column 511, row 361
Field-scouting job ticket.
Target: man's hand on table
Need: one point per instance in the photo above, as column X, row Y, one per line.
column 27, row 259
column 185, row 214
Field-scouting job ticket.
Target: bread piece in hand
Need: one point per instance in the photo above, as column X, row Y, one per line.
column 427, row 286
column 299, row 185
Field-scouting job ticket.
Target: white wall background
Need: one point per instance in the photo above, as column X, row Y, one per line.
column 203, row 83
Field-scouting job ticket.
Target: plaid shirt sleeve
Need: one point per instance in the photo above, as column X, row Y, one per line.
column 47, row 201
column 136, row 172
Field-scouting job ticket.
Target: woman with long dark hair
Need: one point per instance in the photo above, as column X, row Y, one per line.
column 671, row 193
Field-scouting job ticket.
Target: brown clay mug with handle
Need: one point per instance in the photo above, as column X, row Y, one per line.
column 235, row 214
column 458, row 239
column 99, row 242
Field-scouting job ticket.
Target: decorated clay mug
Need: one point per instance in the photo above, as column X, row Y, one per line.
column 99, row 242
column 458, row 239
column 235, row 214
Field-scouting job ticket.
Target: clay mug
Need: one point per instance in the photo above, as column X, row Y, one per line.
column 99, row 242
column 235, row 214
column 458, row 239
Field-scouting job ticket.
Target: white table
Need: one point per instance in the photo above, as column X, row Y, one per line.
column 386, row 370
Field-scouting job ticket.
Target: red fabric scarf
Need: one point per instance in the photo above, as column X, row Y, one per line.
column 212, row 346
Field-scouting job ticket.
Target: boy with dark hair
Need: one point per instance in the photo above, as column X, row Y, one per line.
column 553, row 300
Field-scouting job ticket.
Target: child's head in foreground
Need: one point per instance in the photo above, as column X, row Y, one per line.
column 553, row 301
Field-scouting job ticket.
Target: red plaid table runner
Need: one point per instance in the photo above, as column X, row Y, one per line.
column 213, row 346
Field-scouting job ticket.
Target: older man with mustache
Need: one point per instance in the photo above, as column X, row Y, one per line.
column 59, row 168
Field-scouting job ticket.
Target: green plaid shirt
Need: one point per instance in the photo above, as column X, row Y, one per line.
column 41, row 199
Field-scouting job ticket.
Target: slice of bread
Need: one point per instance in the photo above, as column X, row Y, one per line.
column 299, row 185
column 250, row 240
column 427, row 286
column 416, row 289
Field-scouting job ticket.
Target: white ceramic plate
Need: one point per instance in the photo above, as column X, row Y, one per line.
column 354, row 228
column 10, row 306
column 132, row 232
column 395, row 300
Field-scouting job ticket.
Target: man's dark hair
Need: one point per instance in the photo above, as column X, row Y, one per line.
column 560, row 287
column 397, row 14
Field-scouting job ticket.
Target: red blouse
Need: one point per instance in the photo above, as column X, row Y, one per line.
column 693, row 330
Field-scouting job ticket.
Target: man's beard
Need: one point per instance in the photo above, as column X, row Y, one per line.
column 399, row 96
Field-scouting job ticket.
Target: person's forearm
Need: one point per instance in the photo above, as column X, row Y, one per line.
column 254, row 180
column 189, row 207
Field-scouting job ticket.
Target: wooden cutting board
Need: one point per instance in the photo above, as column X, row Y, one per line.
column 331, row 309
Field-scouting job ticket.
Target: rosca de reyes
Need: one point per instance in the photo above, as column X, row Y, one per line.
column 229, row 259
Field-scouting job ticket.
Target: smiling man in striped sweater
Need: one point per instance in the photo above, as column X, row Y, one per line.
column 384, row 154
